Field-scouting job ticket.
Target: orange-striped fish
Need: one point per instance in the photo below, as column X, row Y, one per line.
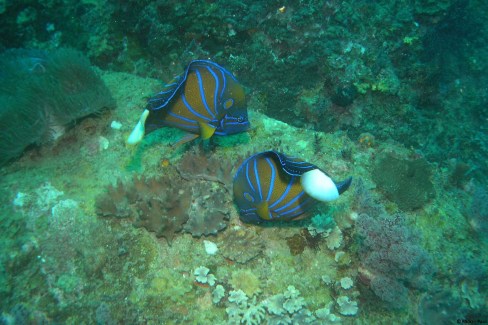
column 205, row 100
column 271, row 186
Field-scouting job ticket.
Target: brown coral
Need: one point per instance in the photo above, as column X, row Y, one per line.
column 169, row 204
column 297, row 244
column 149, row 203
column 199, row 165
column 208, row 209
column 241, row 245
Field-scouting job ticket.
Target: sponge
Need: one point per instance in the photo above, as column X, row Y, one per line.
column 41, row 93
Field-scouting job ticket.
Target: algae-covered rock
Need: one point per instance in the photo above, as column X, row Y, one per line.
column 405, row 182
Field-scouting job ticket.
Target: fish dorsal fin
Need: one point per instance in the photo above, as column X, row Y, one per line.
column 170, row 90
column 293, row 166
column 262, row 210
column 206, row 130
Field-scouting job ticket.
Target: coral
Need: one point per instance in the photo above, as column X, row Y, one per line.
column 149, row 203
column 346, row 306
column 238, row 297
column 389, row 290
column 218, row 294
column 284, row 308
column 202, row 275
column 346, row 283
column 195, row 206
column 210, row 247
column 325, row 315
column 241, row 245
column 41, row 93
column 254, row 314
column 440, row 308
column 334, row 240
column 74, row 89
column 293, row 301
column 197, row 164
column 392, row 258
column 103, row 315
column 405, row 182
column 477, row 213
column 363, row 201
column 208, row 209
column 296, row 244
column 246, row 280
column 303, row 316
column 166, row 285
column 323, row 222
column 274, row 304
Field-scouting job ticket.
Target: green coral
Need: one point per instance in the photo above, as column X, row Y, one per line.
column 404, row 182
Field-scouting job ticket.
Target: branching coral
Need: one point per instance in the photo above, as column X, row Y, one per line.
column 391, row 258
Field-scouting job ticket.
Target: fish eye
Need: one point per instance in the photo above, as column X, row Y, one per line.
column 240, row 119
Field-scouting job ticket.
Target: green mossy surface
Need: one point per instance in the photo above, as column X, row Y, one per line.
column 406, row 182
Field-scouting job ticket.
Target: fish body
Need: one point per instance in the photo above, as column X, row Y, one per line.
column 271, row 186
column 205, row 100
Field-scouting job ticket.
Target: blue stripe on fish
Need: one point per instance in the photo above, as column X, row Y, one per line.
column 256, row 176
column 216, row 91
column 194, row 112
column 202, row 94
column 272, row 181
column 285, row 193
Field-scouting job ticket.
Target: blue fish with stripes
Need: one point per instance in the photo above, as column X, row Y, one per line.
column 205, row 100
column 271, row 186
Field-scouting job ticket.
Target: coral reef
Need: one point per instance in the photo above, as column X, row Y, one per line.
column 361, row 86
column 406, row 182
column 284, row 308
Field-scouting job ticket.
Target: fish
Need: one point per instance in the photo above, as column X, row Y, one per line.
column 205, row 100
column 271, row 186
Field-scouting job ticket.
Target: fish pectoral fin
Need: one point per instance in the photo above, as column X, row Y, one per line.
column 262, row 210
column 206, row 130
column 186, row 138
